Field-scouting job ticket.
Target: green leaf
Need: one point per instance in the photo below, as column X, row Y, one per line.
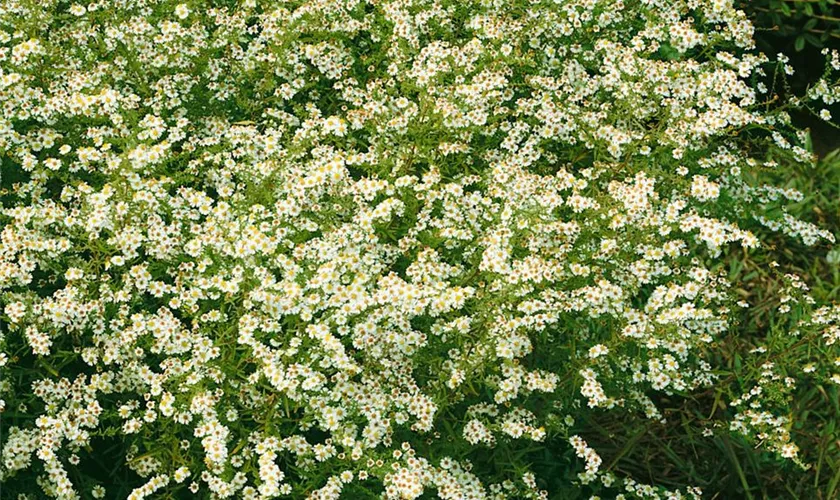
column 785, row 9
column 809, row 143
column 799, row 44
column 813, row 40
column 668, row 52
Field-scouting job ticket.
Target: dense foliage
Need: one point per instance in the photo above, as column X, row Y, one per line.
column 392, row 248
column 813, row 23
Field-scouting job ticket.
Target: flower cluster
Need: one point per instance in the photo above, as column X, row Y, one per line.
column 311, row 248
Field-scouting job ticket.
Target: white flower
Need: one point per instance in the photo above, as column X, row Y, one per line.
column 182, row 11
column 335, row 125
column 598, row 350
column 73, row 274
column 15, row 311
column 789, row 450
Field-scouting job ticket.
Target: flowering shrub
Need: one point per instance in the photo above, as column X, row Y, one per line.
column 324, row 248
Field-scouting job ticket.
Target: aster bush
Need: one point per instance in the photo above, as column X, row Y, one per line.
column 389, row 248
